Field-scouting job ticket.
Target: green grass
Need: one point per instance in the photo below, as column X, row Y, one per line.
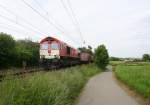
column 115, row 63
column 51, row 88
column 137, row 77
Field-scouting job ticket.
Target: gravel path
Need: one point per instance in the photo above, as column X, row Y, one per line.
column 103, row 90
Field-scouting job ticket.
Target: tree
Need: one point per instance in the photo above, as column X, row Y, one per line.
column 27, row 51
column 87, row 50
column 146, row 57
column 14, row 53
column 101, row 57
column 114, row 59
column 7, row 50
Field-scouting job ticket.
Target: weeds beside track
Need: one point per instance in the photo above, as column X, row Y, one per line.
column 50, row 88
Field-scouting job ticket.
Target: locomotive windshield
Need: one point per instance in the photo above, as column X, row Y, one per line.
column 44, row 46
column 54, row 46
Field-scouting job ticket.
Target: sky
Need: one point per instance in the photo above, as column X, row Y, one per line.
column 123, row 26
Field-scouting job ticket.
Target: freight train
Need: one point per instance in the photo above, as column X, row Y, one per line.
column 55, row 54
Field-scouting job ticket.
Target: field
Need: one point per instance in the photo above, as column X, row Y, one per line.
column 46, row 88
column 136, row 75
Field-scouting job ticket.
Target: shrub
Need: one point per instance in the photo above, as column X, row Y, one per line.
column 101, row 57
column 7, row 50
column 146, row 57
column 13, row 53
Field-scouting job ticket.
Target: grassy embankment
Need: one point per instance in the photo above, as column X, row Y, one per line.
column 51, row 88
column 136, row 75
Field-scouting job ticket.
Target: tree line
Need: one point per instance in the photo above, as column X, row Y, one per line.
column 19, row 53
column 15, row 53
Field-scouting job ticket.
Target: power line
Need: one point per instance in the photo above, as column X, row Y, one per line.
column 46, row 19
column 51, row 23
column 76, row 20
column 23, row 26
column 8, row 28
column 67, row 11
column 24, row 20
column 72, row 17
column 40, row 6
column 48, row 15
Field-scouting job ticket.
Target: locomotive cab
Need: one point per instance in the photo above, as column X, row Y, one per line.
column 54, row 50
column 55, row 53
column 49, row 50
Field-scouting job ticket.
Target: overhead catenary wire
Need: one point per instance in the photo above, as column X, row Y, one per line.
column 49, row 16
column 46, row 19
column 41, row 7
column 19, row 17
column 12, row 21
column 76, row 20
column 24, row 20
column 72, row 17
column 11, row 29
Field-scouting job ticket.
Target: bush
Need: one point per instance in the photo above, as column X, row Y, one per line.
column 13, row 53
column 27, row 51
column 7, row 50
column 101, row 57
column 146, row 57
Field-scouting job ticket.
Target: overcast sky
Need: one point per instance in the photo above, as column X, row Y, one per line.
column 122, row 25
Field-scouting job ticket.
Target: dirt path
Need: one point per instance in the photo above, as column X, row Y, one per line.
column 103, row 90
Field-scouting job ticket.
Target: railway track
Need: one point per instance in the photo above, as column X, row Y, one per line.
column 4, row 74
column 21, row 72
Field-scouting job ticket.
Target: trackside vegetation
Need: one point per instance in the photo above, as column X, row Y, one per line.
column 46, row 88
column 14, row 52
column 137, row 77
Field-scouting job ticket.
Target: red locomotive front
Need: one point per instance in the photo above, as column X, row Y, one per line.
column 56, row 52
column 49, row 48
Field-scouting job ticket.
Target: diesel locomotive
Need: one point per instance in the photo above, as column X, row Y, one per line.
column 55, row 54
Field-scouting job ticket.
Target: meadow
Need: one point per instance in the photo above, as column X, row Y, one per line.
column 136, row 76
column 46, row 88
